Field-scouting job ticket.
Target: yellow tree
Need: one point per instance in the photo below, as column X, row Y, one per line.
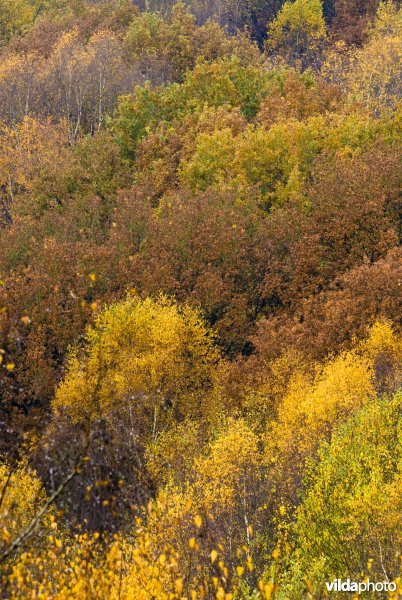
column 150, row 360
column 217, row 511
column 27, row 150
column 297, row 31
column 21, row 495
column 376, row 76
column 317, row 403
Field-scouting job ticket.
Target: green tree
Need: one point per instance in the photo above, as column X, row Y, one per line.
column 15, row 16
column 350, row 517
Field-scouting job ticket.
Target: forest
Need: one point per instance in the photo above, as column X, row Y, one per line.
column 200, row 299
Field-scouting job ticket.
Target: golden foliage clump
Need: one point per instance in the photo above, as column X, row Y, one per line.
column 315, row 403
column 206, row 522
column 150, row 357
column 297, row 30
column 376, row 76
column 68, row 567
column 28, row 150
column 21, row 493
column 350, row 514
column 371, row 75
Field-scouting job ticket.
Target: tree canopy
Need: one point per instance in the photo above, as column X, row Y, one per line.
column 200, row 324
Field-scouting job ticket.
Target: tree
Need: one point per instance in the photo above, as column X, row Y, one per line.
column 388, row 20
column 223, row 500
column 331, row 320
column 229, row 82
column 19, row 90
column 204, row 252
column 375, row 79
column 21, row 494
column 78, row 80
column 349, row 520
column 319, row 247
column 150, row 358
column 82, row 81
column 15, row 16
column 351, row 20
column 59, row 197
column 298, row 96
column 297, row 31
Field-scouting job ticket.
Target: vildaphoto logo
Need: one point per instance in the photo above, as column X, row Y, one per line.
column 339, row 585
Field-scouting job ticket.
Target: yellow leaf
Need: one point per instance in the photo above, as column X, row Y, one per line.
column 213, row 555
column 268, row 589
column 198, row 521
column 6, row 535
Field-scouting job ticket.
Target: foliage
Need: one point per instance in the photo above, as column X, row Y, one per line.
column 223, row 82
column 376, row 76
column 15, row 16
column 349, row 517
column 332, row 318
column 352, row 18
column 298, row 28
column 151, row 357
column 200, row 350
column 21, row 494
column 168, row 47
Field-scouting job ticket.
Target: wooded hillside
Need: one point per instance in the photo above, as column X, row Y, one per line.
column 200, row 298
